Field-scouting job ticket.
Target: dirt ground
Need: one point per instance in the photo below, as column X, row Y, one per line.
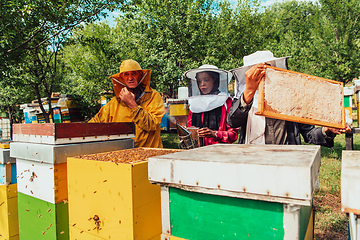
column 330, row 222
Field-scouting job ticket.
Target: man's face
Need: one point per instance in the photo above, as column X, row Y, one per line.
column 131, row 78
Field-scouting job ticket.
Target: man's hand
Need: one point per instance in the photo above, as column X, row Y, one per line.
column 206, row 132
column 253, row 78
column 337, row 130
column 128, row 98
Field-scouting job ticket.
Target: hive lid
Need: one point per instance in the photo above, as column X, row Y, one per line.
column 268, row 172
column 65, row 133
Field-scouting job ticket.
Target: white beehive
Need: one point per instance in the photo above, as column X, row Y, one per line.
column 285, row 174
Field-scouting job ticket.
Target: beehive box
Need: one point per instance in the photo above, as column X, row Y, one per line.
column 40, row 219
column 7, row 165
column 42, row 168
column 110, row 196
column 65, row 133
column 9, row 225
column 350, row 182
column 298, row 97
column 231, row 191
column 41, row 153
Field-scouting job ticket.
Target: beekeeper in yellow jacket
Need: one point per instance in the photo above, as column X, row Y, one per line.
column 135, row 101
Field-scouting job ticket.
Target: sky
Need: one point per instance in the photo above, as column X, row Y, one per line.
column 265, row 3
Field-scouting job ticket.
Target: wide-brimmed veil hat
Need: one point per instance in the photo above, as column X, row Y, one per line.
column 253, row 59
column 224, row 78
column 126, row 66
column 202, row 103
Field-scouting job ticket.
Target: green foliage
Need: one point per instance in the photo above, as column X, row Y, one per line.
column 32, row 34
column 170, row 140
column 91, row 57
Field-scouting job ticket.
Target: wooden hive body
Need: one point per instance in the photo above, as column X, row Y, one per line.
column 9, row 225
column 41, row 152
column 195, row 216
column 65, row 133
column 7, row 166
column 350, row 182
column 39, row 219
column 127, row 204
column 237, row 191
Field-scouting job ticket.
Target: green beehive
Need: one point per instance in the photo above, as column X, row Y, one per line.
column 231, row 191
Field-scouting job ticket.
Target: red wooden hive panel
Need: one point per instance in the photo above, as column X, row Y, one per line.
column 72, row 130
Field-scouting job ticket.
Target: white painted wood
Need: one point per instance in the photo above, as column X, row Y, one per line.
column 165, row 210
column 358, row 227
column 5, row 156
column 59, row 153
column 270, row 170
column 291, row 222
column 352, row 226
column 42, row 186
column 52, row 140
column 350, row 181
column 226, row 193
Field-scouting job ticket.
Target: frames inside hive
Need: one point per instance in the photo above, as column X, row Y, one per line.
column 132, row 155
column 298, row 97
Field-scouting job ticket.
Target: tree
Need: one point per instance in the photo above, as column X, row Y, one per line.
column 35, row 31
column 336, row 49
column 168, row 37
column 90, row 57
column 292, row 32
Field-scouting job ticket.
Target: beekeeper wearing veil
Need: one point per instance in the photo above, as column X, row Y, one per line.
column 256, row 129
column 209, row 104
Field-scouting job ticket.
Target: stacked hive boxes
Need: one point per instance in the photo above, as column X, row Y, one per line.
column 41, row 151
column 348, row 99
column 9, row 225
column 178, row 112
column 69, row 110
column 350, row 190
column 227, row 191
column 111, row 197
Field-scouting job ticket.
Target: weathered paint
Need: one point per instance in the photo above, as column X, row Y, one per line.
column 202, row 216
column 45, row 181
column 8, row 173
column 59, row 153
column 305, row 221
column 39, row 219
column 9, row 225
column 65, row 133
column 288, row 173
column 127, row 205
column 350, row 182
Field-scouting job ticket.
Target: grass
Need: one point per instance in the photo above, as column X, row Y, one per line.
column 330, row 222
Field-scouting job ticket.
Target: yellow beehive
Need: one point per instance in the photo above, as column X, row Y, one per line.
column 9, row 223
column 113, row 200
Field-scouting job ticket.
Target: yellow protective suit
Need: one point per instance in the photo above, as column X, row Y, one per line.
column 146, row 117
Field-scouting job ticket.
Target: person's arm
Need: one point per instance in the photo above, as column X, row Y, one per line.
column 238, row 113
column 239, row 110
column 323, row 136
column 317, row 135
column 150, row 118
column 226, row 134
